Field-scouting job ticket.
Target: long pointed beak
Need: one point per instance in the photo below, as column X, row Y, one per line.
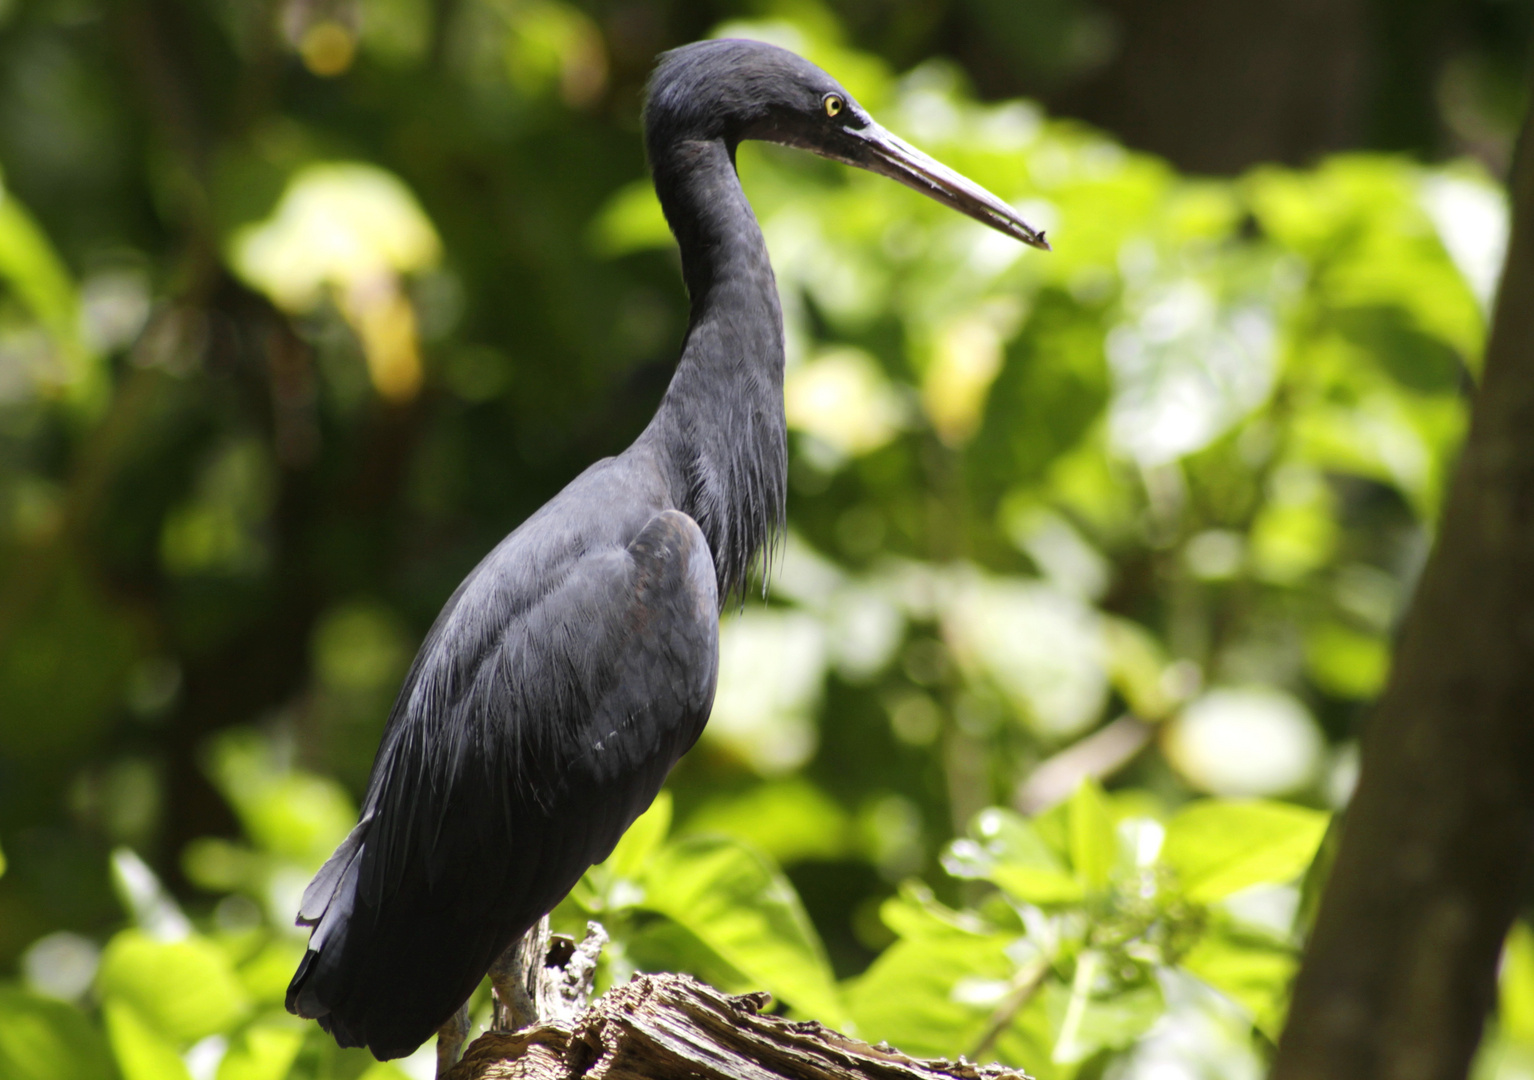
column 889, row 155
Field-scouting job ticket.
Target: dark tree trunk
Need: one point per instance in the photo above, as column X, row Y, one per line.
column 1218, row 86
column 1435, row 852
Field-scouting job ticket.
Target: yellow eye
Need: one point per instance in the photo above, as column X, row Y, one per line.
column 834, row 104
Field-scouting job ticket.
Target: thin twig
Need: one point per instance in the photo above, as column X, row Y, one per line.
column 1025, row 984
column 1099, row 755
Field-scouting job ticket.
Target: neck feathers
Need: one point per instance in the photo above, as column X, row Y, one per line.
column 721, row 424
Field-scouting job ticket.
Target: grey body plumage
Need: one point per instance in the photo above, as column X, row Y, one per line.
column 578, row 661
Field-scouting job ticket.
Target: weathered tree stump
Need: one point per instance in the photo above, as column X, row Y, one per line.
column 673, row 1027
column 657, row 1027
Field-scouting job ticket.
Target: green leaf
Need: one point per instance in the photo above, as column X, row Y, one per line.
column 914, row 912
column 922, row 993
column 1026, row 1042
column 43, row 1039
column 1007, row 850
column 643, row 838
column 1137, row 666
column 1054, row 828
column 301, row 816
column 1099, row 1014
column 1094, row 844
column 631, row 221
column 742, row 907
column 1344, row 662
column 1219, row 847
column 263, row 1051
column 788, row 819
column 265, row 975
column 33, row 270
column 1252, row 970
column 1038, row 886
column 658, row 943
column 1515, row 1009
column 184, row 990
column 285, row 811
column 220, row 866
column 143, row 1052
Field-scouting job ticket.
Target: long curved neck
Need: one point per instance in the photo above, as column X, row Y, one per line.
column 721, row 424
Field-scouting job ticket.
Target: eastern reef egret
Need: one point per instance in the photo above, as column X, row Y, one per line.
column 577, row 662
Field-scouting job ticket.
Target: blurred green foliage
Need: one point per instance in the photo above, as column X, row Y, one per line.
column 294, row 326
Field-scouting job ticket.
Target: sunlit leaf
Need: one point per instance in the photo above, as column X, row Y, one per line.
column 1296, row 532
column 908, row 996
column 1026, row 1042
column 914, row 912
column 1251, row 970
column 772, row 667
column 1094, row 844
column 843, row 399
column 143, row 1051
column 742, row 907
column 1515, row 1009
column 646, row 835
column 631, row 221
column 182, row 990
column 263, row 1051
column 1096, row 1014
column 338, row 224
column 658, row 943
column 43, row 1039
column 788, row 819
column 297, row 814
column 33, row 270
column 1007, row 850
column 1344, row 662
column 554, row 44
column 265, row 975
column 219, row 865
column 150, row 905
column 1220, row 847
column 1137, row 666
column 384, row 1070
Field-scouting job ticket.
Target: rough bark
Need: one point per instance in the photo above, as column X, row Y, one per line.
column 672, row 1027
column 1435, row 853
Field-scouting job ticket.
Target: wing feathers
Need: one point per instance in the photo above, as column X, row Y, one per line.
column 501, row 780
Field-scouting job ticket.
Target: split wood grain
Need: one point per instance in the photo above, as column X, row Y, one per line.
column 672, row 1027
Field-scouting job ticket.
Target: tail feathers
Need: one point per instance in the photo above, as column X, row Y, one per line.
column 322, row 889
column 327, row 905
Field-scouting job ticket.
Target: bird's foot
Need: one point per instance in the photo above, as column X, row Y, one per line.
column 515, row 976
column 544, row 977
column 450, row 1039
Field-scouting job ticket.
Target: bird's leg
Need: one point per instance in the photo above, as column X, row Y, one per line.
column 450, row 1037
column 515, row 976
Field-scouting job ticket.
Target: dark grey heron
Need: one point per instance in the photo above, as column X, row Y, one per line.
column 577, row 662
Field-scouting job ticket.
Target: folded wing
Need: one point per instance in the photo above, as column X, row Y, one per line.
column 530, row 732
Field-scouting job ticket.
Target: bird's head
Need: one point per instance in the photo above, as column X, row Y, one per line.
column 732, row 90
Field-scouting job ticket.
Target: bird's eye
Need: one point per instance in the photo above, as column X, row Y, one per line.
column 834, row 104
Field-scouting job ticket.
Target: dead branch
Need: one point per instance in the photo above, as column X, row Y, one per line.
column 672, row 1027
